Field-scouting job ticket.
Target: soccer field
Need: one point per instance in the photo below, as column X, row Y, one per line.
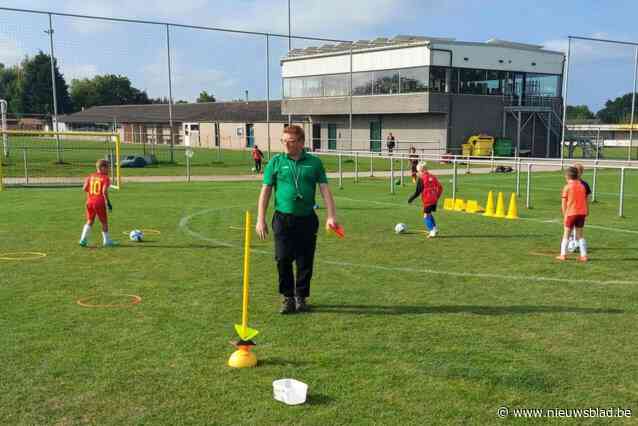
column 403, row 330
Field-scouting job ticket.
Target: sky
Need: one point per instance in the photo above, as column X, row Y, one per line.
column 227, row 64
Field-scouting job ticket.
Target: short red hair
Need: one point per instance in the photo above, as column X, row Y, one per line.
column 297, row 132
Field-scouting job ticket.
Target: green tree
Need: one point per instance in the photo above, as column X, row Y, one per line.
column 579, row 112
column 618, row 110
column 108, row 89
column 36, row 94
column 204, row 96
column 10, row 87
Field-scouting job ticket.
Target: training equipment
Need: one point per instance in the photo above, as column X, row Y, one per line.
column 500, row 206
column 448, row 204
column 512, row 211
column 400, row 228
column 290, row 391
column 243, row 357
column 459, row 205
column 136, row 235
column 43, row 158
column 489, row 210
column 338, row 230
column 472, row 206
column 572, row 246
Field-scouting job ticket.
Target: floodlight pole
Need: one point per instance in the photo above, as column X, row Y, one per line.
column 3, row 126
column 633, row 106
column 566, row 85
column 351, row 88
column 268, row 90
column 289, row 29
column 55, row 96
column 170, row 93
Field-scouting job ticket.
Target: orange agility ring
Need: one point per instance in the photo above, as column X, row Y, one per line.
column 86, row 302
column 22, row 255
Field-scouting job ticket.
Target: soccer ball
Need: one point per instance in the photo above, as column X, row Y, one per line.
column 400, row 228
column 572, row 246
column 136, row 235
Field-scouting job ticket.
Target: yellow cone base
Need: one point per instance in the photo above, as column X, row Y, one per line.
column 512, row 211
column 243, row 357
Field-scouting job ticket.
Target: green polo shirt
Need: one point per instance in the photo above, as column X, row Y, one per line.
column 291, row 178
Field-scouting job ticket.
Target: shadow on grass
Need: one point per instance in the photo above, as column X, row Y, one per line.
column 281, row 362
column 319, row 399
column 459, row 309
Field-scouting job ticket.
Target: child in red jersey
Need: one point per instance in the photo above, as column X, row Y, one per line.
column 430, row 189
column 414, row 161
column 96, row 185
column 257, row 157
column 574, row 209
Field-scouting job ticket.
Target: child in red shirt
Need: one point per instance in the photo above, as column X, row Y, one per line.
column 574, row 209
column 96, row 185
column 257, row 157
column 430, row 189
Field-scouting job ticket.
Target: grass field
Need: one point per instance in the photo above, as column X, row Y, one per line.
column 403, row 330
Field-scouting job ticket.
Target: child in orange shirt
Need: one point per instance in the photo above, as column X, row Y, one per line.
column 574, row 209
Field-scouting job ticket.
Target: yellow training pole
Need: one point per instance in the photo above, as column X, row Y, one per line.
column 117, row 161
column 244, row 313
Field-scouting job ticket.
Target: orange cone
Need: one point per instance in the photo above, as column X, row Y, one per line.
column 489, row 210
column 512, row 211
column 500, row 206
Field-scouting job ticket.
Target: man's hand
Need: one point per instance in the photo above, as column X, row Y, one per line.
column 262, row 229
column 331, row 222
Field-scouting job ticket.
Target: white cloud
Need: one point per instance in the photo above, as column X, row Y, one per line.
column 10, row 51
column 78, row 71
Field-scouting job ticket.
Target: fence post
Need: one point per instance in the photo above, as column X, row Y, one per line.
column 340, row 173
column 593, row 188
column 467, row 170
column 402, row 184
column 188, row 166
column 529, row 183
column 371, row 165
column 26, row 170
column 518, row 176
column 622, row 192
column 356, row 167
column 391, row 175
column 492, row 166
column 454, row 166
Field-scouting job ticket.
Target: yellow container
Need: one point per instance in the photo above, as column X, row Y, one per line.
column 467, row 149
column 482, row 152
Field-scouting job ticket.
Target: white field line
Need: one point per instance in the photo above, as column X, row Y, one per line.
column 184, row 221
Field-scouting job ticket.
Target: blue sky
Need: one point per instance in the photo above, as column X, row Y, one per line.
column 226, row 65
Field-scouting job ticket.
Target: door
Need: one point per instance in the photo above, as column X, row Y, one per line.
column 375, row 136
column 250, row 136
column 316, row 136
column 332, row 136
column 216, row 134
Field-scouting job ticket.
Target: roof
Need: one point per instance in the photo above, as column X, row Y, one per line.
column 240, row 111
column 402, row 41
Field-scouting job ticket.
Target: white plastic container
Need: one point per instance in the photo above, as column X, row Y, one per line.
column 290, row 391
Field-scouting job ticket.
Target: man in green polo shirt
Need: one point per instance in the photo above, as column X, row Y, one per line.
column 294, row 175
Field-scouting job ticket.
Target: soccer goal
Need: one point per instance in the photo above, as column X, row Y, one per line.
column 43, row 158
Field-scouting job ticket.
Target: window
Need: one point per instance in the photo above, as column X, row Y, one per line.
column 336, row 85
column 386, row 82
column 414, row 80
column 361, row 83
column 542, row 85
column 311, row 87
column 473, row 81
column 496, row 82
column 437, row 79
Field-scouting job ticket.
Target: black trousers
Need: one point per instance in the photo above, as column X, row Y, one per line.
column 295, row 241
column 258, row 166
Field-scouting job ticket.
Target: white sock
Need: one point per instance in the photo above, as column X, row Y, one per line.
column 85, row 232
column 583, row 247
column 105, row 238
column 563, row 247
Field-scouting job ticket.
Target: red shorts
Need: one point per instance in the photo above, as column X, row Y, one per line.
column 577, row 221
column 96, row 209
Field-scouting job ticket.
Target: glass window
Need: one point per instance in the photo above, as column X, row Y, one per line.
column 414, row 79
column 541, row 85
column 386, row 82
column 336, row 85
column 361, row 83
column 473, row 81
column 293, row 88
column 438, row 79
column 312, row 87
column 496, row 82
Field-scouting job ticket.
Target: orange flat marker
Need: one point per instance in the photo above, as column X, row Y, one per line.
column 338, row 230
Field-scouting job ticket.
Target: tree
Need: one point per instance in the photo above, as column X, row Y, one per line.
column 579, row 112
column 205, row 97
column 108, row 89
column 618, row 110
column 36, row 94
column 10, row 87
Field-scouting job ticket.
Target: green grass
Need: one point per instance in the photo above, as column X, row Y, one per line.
column 78, row 159
column 404, row 330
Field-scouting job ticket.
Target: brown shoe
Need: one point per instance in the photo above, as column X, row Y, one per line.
column 301, row 305
column 287, row 306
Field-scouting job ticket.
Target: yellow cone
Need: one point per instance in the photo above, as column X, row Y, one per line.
column 459, row 205
column 448, row 204
column 512, row 211
column 500, row 206
column 472, row 206
column 489, row 211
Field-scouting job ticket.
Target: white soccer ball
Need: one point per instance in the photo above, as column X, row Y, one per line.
column 400, row 228
column 572, row 246
column 136, row 235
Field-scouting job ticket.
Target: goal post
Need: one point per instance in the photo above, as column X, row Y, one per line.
column 35, row 158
